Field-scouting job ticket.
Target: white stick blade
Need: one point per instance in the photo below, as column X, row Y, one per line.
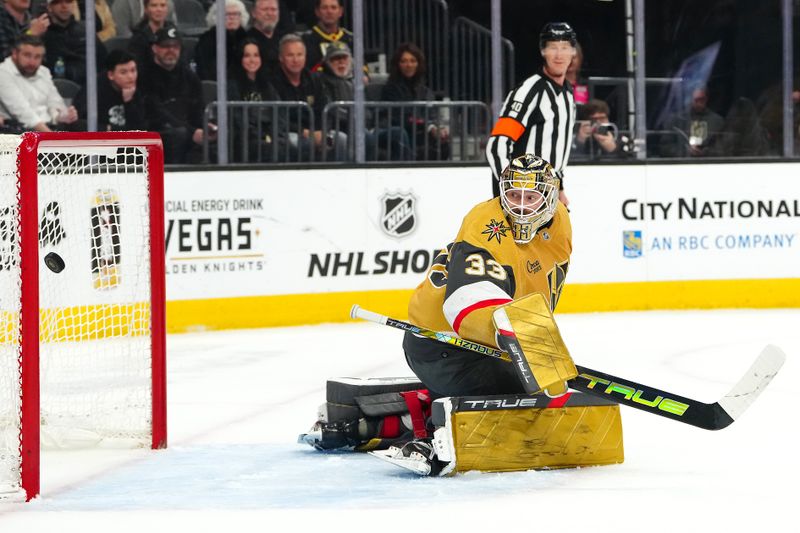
column 756, row 379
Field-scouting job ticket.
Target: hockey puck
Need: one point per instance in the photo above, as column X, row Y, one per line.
column 54, row 262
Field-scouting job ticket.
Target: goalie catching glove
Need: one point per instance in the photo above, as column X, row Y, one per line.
column 526, row 329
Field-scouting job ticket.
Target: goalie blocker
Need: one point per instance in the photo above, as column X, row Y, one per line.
column 526, row 330
column 485, row 433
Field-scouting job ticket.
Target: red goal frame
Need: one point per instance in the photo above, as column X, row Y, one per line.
column 27, row 168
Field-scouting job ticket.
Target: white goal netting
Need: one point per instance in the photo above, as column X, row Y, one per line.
column 94, row 315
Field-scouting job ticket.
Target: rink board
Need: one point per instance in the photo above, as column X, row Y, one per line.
column 283, row 247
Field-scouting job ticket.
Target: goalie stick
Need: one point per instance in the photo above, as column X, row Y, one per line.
column 712, row 416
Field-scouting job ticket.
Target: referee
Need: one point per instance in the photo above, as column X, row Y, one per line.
column 538, row 116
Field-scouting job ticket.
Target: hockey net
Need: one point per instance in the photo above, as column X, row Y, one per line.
column 94, row 373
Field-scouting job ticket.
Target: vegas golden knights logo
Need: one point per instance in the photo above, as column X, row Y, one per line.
column 106, row 246
column 555, row 281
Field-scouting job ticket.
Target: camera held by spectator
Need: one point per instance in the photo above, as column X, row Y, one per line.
column 596, row 136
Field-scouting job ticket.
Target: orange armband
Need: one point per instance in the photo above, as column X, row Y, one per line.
column 509, row 127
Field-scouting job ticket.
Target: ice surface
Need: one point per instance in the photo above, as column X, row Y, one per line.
column 238, row 399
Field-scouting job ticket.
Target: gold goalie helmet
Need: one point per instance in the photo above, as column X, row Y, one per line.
column 529, row 195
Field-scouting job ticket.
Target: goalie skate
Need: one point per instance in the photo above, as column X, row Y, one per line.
column 418, row 456
column 331, row 436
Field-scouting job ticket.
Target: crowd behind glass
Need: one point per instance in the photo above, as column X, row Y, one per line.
column 158, row 71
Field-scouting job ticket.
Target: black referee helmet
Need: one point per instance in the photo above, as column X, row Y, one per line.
column 557, row 31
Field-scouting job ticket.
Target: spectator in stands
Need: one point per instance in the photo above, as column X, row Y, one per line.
column 595, row 136
column 15, row 19
column 27, row 93
column 266, row 32
column 695, row 131
column 155, row 18
column 337, row 79
column 407, row 71
column 742, row 134
column 580, row 85
column 205, row 54
column 326, row 31
column 770, row 107
column 294, row 82
column 174, row 97
column 249, row 83
column 65, row 42
column 104, row 21
column 129, row 13
column 120, row 105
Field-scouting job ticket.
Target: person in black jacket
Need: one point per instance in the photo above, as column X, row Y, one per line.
column 325, row 32
column 406, row 84
column 174, row 98
column 144, row 33
column 65, row 43
column 120, row 105
column 205, row 53
column 267, row 29
column 294, row 82
column 249, row 83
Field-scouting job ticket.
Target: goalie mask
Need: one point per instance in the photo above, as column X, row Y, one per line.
column 528, row 195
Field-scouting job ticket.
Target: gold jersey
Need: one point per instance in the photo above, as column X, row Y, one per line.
column 484, row 267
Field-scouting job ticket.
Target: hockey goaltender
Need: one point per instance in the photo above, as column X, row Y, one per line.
column 497, row 284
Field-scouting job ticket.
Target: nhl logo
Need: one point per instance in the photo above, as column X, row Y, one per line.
column 398, row 217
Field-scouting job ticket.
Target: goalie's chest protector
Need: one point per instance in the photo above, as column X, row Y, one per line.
column 484, row 266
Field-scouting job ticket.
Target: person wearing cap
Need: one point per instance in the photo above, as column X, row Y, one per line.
column 337, row 72
column 538, row 116
column 337, row 79
column 65, row 42
column 174, row 97
column 325, row 32
column 155, row 18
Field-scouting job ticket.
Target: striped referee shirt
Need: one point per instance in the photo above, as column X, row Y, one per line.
column 537, row 117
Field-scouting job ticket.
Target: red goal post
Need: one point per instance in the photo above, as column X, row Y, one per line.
column 83, row 348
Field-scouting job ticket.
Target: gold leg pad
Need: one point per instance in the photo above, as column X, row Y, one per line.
column 537, row 438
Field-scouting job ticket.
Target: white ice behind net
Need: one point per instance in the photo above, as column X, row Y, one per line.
column 95, row 314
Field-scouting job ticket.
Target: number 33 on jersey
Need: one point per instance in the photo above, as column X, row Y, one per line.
column 484, row 267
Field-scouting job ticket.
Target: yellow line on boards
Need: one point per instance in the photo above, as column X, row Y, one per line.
column 299, row 309
column 100, row 321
